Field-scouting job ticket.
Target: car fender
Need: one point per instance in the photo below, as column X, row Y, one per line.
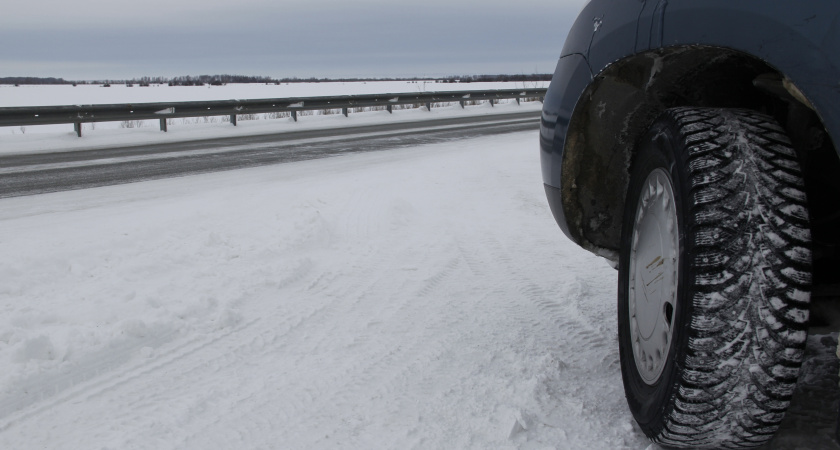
column 641, row 57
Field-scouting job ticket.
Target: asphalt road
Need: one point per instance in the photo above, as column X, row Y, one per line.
column 61, row 171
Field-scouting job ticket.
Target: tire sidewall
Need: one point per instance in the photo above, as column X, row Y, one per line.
column 661, row 148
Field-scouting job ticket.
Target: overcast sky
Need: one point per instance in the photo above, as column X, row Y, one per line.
column 116, row 39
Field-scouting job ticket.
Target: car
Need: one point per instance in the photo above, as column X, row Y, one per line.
column 694, row 145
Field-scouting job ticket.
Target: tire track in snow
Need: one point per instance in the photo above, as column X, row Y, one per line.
column 550, row 314
column 346, row 384
column 561, row 312
column 102, row 373
column 388, row 370
column 365, row 369
column 432, row 283
column 108, row 375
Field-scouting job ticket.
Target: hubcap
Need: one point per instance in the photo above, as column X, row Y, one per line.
column 652, row 290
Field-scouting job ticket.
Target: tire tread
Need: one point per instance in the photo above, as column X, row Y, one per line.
column 751, row 279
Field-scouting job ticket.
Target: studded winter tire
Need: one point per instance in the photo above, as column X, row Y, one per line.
column 714, row 279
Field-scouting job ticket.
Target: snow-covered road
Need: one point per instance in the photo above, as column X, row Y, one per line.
column 415, row 298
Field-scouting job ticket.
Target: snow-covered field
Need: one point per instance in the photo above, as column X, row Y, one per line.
column 88, row 94
column 415, row 298
column 44, row 138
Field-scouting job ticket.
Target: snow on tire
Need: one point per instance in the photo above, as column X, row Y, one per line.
column 714, row 278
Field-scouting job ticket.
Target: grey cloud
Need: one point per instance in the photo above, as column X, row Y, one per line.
column 385, row 41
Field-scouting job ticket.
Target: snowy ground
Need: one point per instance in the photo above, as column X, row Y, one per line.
column 417, row 298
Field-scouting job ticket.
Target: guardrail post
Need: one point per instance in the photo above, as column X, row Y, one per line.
column 390, row 109
column 517, row 101
column 233, row 119
column 462, row 104
column 429, row 106
column 492, row 102
column 344, row 111
column 163, row 125
column 294, row 115
column 77, row 127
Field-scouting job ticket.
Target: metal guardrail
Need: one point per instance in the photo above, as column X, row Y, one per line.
column 79, row 114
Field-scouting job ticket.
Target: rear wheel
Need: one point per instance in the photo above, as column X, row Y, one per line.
column 714, row 278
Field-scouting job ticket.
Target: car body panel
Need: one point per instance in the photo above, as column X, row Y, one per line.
column 795, row 41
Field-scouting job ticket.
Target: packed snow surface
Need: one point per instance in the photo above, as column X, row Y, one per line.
column 416, row 298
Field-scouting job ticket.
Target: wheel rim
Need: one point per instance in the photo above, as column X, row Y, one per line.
column 652, row 290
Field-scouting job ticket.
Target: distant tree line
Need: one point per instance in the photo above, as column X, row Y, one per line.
column 496, row 78
column 32, row 80
column 216, row 80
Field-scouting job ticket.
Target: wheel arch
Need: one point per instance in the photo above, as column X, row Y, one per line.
column 627, row 96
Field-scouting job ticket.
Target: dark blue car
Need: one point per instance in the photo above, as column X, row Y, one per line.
column 693, row 143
